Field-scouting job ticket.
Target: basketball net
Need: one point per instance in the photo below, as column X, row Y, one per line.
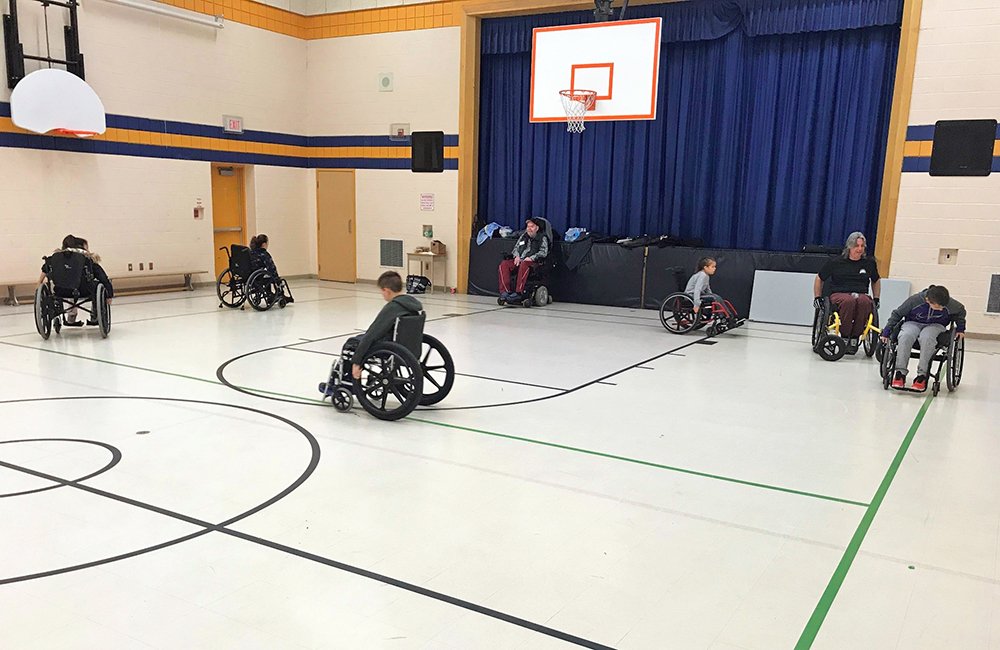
column 576, row 103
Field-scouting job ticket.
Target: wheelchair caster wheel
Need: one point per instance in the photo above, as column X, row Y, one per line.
column 831, row 348
column 935, row 388
column 501, row 302
column 342, row 399
column 526, row 302
column 282, row 303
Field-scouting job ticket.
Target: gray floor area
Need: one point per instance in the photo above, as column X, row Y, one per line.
column 592, row 480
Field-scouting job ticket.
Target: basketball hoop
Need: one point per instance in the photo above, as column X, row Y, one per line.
column 577, row 103
column 79, row 134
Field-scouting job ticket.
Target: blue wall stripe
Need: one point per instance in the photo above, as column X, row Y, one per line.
column 920, row 133
column 916, row 164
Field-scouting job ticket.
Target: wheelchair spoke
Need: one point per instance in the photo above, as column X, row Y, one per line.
column 385, row 396
column 431, row 379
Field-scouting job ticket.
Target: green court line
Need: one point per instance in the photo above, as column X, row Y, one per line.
column 589, row 452
column 837, row 580
column 647, row 463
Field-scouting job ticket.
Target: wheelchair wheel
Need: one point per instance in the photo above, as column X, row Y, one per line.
column 956, row 359
column 43, row 310
column 102, row 310
column 871, row 343
column 438, row 369
column 541, row 296
column 887, row 363
column 391, row 381
column 342, row 399
column 230, row 290
column 677, row 313
column 262, row 290
column 831, row 348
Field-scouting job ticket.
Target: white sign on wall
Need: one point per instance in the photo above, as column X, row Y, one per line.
column 427, row 202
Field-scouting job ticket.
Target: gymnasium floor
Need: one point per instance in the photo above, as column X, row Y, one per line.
column 592, row 480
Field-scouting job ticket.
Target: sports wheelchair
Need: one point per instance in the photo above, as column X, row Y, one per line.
column 827, row 341
column 70, row 283
column 536, row 292
column 397, row 375
column 240, row 283
column 678, row 316
column 950, row 349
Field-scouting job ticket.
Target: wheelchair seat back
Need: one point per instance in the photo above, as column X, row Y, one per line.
column 240, row 262
column 67, row 271
column 410, row 332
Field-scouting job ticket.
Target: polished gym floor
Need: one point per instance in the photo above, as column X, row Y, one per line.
column 592, row 480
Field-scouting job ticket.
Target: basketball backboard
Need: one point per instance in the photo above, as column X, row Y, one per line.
column 618, row 60
column 55, row 100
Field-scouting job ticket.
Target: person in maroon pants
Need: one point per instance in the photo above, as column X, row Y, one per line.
column 531, row 248
column 845, row 279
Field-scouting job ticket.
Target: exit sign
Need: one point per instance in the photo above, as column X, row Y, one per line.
column 232, row 124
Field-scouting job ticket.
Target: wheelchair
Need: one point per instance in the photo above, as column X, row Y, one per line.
column 950, row 350
column 536, row 290
column 678, row 316
column 827, row 341
column 70, row 283
column 412, row 369
column 240, row 283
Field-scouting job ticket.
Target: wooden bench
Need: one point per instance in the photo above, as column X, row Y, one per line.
column 11, row 298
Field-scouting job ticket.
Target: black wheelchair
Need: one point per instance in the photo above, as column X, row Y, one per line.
column 70, row 283
column 949, row 357
column 536, row 291
column 241, row 283
column 827, row 341
column 397, row 375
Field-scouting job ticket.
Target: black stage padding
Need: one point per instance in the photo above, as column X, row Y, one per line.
column 613, row 275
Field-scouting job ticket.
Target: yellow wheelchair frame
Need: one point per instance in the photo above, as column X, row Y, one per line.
column 831, row 346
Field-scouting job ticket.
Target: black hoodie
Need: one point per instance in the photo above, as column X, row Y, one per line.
column 384, row 324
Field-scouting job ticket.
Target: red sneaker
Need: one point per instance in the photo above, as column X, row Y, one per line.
column 898, row 380
column 920, row 382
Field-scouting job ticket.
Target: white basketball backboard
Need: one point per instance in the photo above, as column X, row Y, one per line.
column 51, row 99
column 618, row 60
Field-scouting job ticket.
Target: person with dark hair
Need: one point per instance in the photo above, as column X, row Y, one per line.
column 398, row 303
column 924, row 316
column 699, row 288
column 845, row 279
column 73, row 244
column 261, row 259
column 531, row 248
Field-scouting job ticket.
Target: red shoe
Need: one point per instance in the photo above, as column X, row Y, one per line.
column 899, row 380
column 920, row 382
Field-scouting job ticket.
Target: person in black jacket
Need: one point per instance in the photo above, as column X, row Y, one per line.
column 531, row 248
column 73, row 244
column 261, row 259
column 846, row 280
column 397, row 304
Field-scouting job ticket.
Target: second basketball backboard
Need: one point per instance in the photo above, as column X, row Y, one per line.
column 618, row 60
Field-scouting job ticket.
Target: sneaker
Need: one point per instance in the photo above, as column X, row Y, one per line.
column 899, row 380
column 852, row 346
column 92, row 321
column 72, row 323
column 920, row 382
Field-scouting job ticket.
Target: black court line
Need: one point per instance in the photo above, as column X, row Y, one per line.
column 606, row 383
column 645, row 367
column 705, row 341
column 116, row 456
column 371, row 575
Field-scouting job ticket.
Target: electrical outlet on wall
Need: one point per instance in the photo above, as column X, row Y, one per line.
column 150, row 266
column 130, row 266
column 140, row 266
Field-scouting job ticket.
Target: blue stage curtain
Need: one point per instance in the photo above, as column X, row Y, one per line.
column 770, row 134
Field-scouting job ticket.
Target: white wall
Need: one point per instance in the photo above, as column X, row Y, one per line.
column 344, row 100
column 140, row 209
column 956, row 78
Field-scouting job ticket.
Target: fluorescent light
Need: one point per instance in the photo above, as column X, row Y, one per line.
column 167, row 10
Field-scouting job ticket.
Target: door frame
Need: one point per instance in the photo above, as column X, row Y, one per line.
column 353, row 172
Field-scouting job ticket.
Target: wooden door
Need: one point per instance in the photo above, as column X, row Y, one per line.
column 337, row 225
column 228, row 211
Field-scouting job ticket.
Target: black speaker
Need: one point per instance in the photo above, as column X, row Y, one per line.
column 427, row 151
column 963, row 147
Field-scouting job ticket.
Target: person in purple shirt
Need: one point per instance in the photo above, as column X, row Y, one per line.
column 924, row 315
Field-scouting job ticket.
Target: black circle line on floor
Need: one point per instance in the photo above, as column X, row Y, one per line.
column 306, row 473
column 221, row 376
column 116, row 456
column 222, row 527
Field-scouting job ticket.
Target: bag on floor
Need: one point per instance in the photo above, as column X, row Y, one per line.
column 417, row 284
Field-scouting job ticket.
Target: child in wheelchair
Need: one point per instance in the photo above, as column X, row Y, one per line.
column 261, row 259
column 922, row 318
column 700, row 289
column 88, row 283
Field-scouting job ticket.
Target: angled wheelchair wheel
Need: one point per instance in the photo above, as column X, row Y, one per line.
column 230, row 290
column 820, row 322
column 438, row 369
column 677, row 313
column 956, row 360
column 887, row 363
column 43, row 310
column 871, row 343
column 831, row 348
column 262, row 290
column 391, row 381
column 102, row 310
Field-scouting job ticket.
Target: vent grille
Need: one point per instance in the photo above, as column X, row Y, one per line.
column 993, row 301
column 391, row 252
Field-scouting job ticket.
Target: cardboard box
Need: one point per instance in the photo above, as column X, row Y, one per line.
column 438, row 248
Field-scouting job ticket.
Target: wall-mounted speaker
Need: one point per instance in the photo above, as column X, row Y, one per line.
column 427, row 151
column 963, row 147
